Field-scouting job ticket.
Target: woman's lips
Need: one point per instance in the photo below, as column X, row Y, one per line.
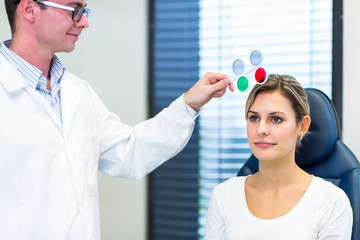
column 264, row 144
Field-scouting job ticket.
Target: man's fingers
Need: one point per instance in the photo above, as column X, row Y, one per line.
column 216, row 77
column 231, row 86
column 220, row 85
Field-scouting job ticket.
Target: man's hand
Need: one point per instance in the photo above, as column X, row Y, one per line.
column 209, row 86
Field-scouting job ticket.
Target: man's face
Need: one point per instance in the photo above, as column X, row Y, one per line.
column 57, row 32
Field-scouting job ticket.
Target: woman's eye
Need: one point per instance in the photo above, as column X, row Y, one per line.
column 277, row 120
column 253, row 118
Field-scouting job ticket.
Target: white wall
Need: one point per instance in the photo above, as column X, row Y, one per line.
column 351, row 81
column 112, row 56
column 4, row 28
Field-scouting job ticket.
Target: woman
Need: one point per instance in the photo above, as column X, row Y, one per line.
column 280, row 201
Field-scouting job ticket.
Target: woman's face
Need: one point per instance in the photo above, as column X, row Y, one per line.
column 271, row 127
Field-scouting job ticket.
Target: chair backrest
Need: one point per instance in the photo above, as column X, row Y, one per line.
column 323, row 154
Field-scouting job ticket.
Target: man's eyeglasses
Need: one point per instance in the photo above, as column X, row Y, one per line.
column 77, row 12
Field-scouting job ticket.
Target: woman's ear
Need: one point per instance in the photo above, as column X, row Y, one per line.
column 304, row 125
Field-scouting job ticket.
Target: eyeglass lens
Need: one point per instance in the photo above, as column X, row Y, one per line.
column 78, row 12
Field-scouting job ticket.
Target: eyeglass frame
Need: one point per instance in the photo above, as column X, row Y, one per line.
column 85, row 11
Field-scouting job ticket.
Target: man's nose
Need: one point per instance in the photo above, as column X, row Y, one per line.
column 84, row 22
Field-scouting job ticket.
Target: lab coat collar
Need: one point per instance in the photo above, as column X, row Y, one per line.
column 10, row 77
column 71, row 93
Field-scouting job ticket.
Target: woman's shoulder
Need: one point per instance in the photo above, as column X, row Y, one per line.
column 231, row 183
column 229, row 191
column 328, row 186
column 327, row 191
column 332, row 209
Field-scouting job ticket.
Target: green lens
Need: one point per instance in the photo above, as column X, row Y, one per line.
column 243, row 84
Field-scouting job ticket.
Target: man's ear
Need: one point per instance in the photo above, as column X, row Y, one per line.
column 28, row 9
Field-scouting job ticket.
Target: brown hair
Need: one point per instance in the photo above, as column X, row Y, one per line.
column 288, row 87
column 11, row 6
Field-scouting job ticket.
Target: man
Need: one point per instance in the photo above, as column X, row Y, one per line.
column 55, row 133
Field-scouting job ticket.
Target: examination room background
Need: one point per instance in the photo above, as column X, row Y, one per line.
column 112, row 56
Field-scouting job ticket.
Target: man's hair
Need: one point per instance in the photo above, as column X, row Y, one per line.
column 11, row 6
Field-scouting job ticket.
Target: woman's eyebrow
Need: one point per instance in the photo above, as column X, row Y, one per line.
column 274, row 113
column 251, row 111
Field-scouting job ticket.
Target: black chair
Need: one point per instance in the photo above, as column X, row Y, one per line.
column 323, row 154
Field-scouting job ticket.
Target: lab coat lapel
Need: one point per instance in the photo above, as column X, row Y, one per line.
column 10, row 78
column 12, row 81
column 70, row 97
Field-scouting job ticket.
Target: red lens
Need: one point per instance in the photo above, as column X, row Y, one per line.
column 260, row 75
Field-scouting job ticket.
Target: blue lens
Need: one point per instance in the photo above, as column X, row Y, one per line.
column 238, row 66
column 256, row 57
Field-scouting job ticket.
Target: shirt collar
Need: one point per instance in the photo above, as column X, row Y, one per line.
column 30, row 73
column 57, row 69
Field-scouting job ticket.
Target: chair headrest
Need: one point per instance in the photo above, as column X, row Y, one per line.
column 324, row 130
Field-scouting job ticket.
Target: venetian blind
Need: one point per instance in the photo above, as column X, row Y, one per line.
column 173, row 187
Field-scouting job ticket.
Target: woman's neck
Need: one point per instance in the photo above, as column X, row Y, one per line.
column 273, row 177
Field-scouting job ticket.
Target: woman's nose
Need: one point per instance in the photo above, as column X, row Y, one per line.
column 263, row 129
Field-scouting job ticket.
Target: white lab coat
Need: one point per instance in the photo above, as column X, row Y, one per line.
column 48, row 171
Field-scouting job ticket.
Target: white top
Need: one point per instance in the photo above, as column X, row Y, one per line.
column 324, row 212
column 48, row 170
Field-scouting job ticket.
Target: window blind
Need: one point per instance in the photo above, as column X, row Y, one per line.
column 294, row 37
column 173, row 187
